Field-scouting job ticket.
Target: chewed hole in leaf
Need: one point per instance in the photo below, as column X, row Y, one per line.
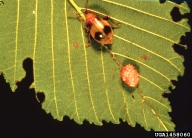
column 162, row 1
column 180, row 49
column 28, row 67
column 176, row 15
column 40, row 97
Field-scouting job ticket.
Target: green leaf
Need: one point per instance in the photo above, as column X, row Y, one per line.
column 84, row 82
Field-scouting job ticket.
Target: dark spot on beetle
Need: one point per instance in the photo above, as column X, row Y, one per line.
column 107, row 29
column 99, row 36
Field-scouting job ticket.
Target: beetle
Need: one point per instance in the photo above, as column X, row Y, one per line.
column 98, row 28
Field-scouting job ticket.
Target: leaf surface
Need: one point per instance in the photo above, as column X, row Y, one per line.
column 84, row 82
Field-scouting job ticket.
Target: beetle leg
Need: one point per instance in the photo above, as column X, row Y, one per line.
column 89, row 41
column 79, row 18
column 89, row 36
column 87, row 30
column 106, row 17
column 113, row 25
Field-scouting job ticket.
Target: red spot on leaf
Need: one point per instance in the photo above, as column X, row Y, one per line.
column 76, row 45
column 144, row 57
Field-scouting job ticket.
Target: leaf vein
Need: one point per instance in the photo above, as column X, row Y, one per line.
column 144, row 114
column 87, row 73
column 9, row 68
column 16, row 41
column 156, row 101
column 69, row 58
column 143, row 64
column 150, row 107
column 106, row 92
column 150, row 52
column 53, row 62
column 151, row 82
column 179, row 5
column 35, row 45
column 159, row 119
column 126, row 107
column 143, row 12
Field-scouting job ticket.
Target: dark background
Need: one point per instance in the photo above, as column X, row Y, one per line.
column 21, row 114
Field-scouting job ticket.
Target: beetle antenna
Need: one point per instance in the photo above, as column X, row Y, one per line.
column 86, row 6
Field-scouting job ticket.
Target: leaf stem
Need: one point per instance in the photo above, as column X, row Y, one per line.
column 78, row 9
